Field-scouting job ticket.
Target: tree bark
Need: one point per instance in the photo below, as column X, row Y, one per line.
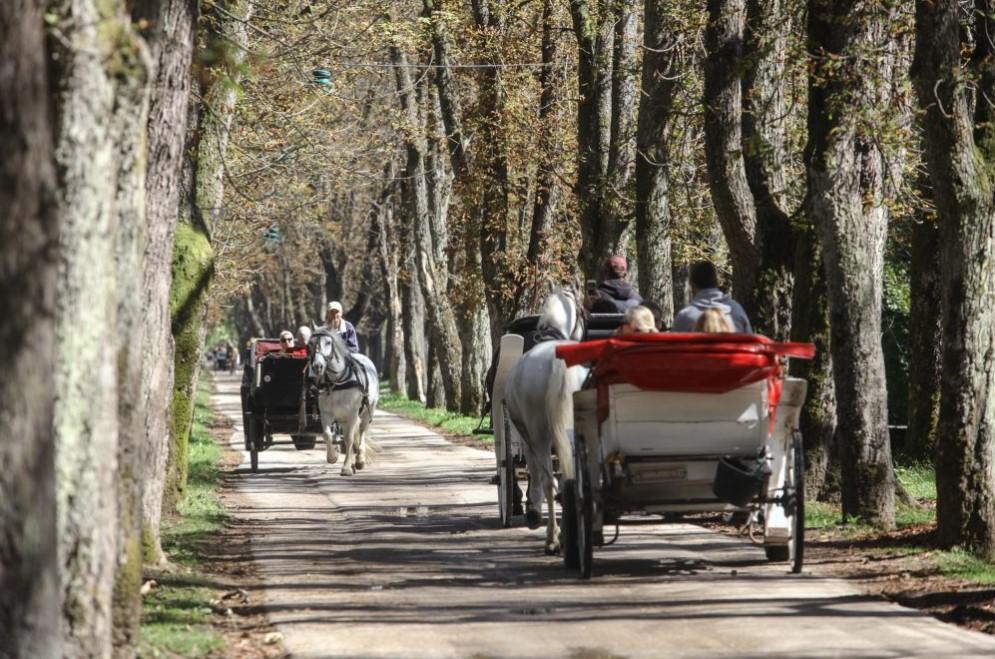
column 810, row 323
column 86, row 421
column 170, row 35
column 131, row 151
column 724, row 143
column 925, row 340
column 431, row 272
column 653, row 241
column 768, row 24
column 601, row 227
column 846, row 200
column 29, row 579
column 960, row 134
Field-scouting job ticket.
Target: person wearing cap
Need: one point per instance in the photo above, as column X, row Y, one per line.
column 615, row 288
column 334, row 321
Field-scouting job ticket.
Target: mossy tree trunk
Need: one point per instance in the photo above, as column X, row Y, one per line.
column 130, row 121
column 88, row 56
column 193, row 256
column 170, row 34
column 29, row 579
column 847, row 189
column 953, row 47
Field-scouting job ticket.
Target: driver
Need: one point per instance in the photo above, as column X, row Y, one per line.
column 335, row 322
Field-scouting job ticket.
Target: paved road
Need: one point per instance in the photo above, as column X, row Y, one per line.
column 406, row 559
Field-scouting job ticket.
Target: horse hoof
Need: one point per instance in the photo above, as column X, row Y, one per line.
column 332, row 458
column 360, row 465
column 552, row 550
column 347, row 471
column 532, row 518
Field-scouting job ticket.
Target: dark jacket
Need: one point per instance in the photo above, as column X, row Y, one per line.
column 619, row 292
column 348, row 334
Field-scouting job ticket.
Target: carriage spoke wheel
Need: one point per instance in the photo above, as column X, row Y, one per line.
column 252, row 434
column 798, row 486
column 584, row 515
column 568, row 525
column 506, row 477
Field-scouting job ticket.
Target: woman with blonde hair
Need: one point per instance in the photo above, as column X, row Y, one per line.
column 637, row 320
column 713, row 321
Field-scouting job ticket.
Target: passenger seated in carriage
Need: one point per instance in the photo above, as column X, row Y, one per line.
column 637, row 320
column 704, row 282
column 713, row 321
column 614, row 289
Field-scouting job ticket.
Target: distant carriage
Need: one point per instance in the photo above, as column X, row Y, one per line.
column 274, row 389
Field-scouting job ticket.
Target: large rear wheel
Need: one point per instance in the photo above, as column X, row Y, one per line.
column 585, row 514
column 253, row 437
column 506, row 477
column 798, row 485
column 568, row 525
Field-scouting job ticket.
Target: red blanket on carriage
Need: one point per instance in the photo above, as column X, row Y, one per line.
column 697, row 363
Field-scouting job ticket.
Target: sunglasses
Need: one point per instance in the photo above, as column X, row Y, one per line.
column 286, row 340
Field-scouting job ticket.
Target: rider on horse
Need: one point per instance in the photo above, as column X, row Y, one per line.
column 335, row 322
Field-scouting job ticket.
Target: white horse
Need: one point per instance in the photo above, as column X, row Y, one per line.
column 538, row 399
column 348, row 392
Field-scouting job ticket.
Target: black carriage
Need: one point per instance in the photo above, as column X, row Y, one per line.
column 275, row 391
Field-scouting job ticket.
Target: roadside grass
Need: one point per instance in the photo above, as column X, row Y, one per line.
column 919, row 480
column 450, row 422
column 177, row 612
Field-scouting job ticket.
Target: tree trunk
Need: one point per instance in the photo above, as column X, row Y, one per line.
column 810, row 323
column 547, row 188
column 29, row 578
column 170, row 36
column 415, row 344
column 653, row 241
column 724, row 143
column 601, row 228
column 846, row 188
column 765, row 114
column 193, row 255
column 431, row 272
column 130, row 122
column 86, row 421
column 925, row 340
column 960, row 127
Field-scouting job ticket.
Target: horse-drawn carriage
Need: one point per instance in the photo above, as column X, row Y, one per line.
column 686, row 423
column 273, row 390
column 659, row 423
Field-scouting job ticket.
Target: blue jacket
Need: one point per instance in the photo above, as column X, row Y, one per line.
column 348, row 334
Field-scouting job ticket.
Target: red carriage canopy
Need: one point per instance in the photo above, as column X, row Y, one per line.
column 686, row 362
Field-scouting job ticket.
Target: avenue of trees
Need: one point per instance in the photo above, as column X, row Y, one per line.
column 177, row 172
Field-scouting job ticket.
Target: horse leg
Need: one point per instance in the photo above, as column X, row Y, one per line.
column 533, row 503
column 552, row 531
column 331, row 450
column 361, row 448
column 349, row 438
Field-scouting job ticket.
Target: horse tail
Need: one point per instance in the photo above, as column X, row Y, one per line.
column 559, row 412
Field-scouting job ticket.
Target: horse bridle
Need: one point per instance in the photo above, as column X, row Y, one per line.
column 349, row 375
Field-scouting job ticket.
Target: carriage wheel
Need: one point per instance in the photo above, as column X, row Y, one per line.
column 506, row 478
column 303, row 442
column 252, row 432
column 568, row 525
column 585, row 514
column 794, row 507
column 798, row 523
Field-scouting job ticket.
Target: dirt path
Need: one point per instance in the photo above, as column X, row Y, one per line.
column 406, row 559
